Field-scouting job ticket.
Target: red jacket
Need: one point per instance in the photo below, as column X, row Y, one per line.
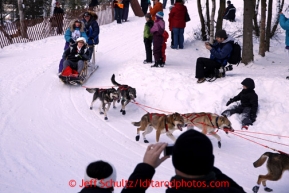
column 177, row 16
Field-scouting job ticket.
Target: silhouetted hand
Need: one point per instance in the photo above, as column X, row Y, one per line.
column 152, row 154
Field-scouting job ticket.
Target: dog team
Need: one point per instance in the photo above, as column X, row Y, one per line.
column 207, row 122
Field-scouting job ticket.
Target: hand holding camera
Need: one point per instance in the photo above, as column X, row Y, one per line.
column 152, row 154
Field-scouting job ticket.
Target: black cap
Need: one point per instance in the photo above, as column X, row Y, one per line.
column 193, row 153
column 221, row 34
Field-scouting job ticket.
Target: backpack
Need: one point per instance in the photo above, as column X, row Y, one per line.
column 235, row 57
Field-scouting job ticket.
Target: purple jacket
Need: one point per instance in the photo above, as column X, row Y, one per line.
column 158, row 28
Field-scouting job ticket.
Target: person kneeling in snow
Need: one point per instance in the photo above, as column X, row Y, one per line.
column 75, row 55
column 249, row 104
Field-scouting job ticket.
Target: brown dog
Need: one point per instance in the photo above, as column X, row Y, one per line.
column 161, row 122
column 276, row 165
column 208, row 122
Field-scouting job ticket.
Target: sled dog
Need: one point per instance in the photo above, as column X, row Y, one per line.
column 276, row 165
column 161, row 122
column 106, row 96
column 208, row 122
column 125, row 92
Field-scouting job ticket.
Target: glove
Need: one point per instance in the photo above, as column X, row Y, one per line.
column 71, row 41
column 229, row 102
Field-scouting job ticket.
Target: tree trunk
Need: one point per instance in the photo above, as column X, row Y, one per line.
column 52, row 7
column 247, row 52
column 268, row 27
column 221, row 12
column 203, row 26
column 208, row 17
column 262, row 46
column 255, row 21
column 23, row 27
column 280, row 7
column 212, row 21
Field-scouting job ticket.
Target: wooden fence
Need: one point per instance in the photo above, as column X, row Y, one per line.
column 36, row 29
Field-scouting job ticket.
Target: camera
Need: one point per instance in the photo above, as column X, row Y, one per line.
column 168, row 150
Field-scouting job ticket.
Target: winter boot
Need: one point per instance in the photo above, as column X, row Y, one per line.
column 245, row 127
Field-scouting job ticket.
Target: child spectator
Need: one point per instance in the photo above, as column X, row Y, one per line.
column 249, row 104
column 164, row 46
column 148, row 38
column 158, row 30
column 100, row 177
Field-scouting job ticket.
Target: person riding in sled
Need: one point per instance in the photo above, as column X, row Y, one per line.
column 75, row 55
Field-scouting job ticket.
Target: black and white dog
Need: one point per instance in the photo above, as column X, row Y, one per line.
column 126, row 93
column 106, row 96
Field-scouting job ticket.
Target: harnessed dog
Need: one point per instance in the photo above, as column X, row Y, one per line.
column 125, row 92
column 208, row 123
column 161, row 122
column 106, row 96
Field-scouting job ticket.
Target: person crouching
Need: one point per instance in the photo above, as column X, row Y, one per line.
column 76, row 54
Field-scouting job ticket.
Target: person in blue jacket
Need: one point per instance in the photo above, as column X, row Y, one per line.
column 91, row 29
column 284, row 23
column 220, row 52
column 74, row 31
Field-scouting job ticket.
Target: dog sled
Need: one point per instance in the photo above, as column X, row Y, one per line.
column 79, row 79
column 88, row 70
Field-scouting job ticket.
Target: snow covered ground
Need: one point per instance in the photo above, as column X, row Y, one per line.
column 48, row 134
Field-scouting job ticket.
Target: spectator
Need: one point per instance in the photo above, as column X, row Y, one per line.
column 118, row 7
column 172, row 33
column 220, row 52
column 193, row 160
column 156, row 8
column 75, row 55
column 148, row 38
column 144, row 5
column 164, row 4
column 91, row 30
column 177, row 23
column 230, row 12
column 74, row 31
column 99, row 177
column 125, row 10
column 92, row 4
column 284, row 23
column 249, row 104
column 158, row 30
column 58, row 16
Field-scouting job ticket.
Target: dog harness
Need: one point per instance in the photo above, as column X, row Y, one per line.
column 160, row 115
column 201, row 115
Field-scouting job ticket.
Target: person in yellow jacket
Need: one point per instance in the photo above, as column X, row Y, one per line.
column 118, row 8
column 158, row 6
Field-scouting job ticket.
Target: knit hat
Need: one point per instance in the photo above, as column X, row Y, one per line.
column 193, row 153
column 101, row 174
column 249, row 83
column 221, row 34
column 149, row 16
column 81, row 39
column 57, row 3
column 160, row 14
column 228, row 2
